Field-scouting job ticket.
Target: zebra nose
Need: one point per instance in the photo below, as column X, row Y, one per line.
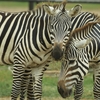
column 62, row 89
column 57, row 52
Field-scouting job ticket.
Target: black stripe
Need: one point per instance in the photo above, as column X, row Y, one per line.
column 31, row 50
column 25, row 43
column 6, row 28
column 34, row 34
column 20, row 27
column 23, row 50
column 81, row 67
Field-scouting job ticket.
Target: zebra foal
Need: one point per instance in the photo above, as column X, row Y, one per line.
column 82, row 49
column 31, row 39
column 77, row 22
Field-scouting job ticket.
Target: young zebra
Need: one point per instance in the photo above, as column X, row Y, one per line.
column 29, row 39
column 81, row 49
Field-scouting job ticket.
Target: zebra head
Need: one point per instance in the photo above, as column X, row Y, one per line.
column 60, row 26
column 74, row 67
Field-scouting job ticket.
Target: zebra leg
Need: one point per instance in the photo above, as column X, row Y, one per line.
column 33, row 86
column 37, row 86
column 25, row 83
column 28, row 85
column 96, row 88
column 36, row 81
column 30, row 94
column 78, row 90
column 18, row 72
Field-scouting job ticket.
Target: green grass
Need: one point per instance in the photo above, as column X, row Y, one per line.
column 88, row 6
column 5, row 81
column 49, row 85
column 13, row 4
column 88, row 87
column 54, row 65
column 85, row 6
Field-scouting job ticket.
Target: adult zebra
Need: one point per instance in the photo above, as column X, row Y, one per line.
column 28, row 39
column 81, row 49
column 77, row 22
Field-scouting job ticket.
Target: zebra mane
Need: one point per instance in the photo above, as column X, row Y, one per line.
column 85, row 27
column 97, row 17
column 88, row 25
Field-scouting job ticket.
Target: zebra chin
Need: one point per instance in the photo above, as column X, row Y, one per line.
column 63, row 91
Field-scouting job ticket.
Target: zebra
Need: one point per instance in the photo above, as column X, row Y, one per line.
column 82, row 49
column 30, row 38
column 79, row 21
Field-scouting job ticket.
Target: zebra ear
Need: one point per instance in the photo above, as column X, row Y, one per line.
column 49, row 9
column 82, row 43
column 52, row 10
column 62, row 6
column 75, row 10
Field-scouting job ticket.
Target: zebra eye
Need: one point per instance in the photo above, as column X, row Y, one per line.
column 51, row 26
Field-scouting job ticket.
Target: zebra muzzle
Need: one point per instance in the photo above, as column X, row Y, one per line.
column 62, row 89
column 57, row 52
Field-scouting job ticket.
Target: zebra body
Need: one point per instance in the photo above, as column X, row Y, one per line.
column 81, row 50
column 19, row 38
column 29, row 39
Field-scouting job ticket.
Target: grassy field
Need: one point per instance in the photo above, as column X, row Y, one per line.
column 49, row 83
